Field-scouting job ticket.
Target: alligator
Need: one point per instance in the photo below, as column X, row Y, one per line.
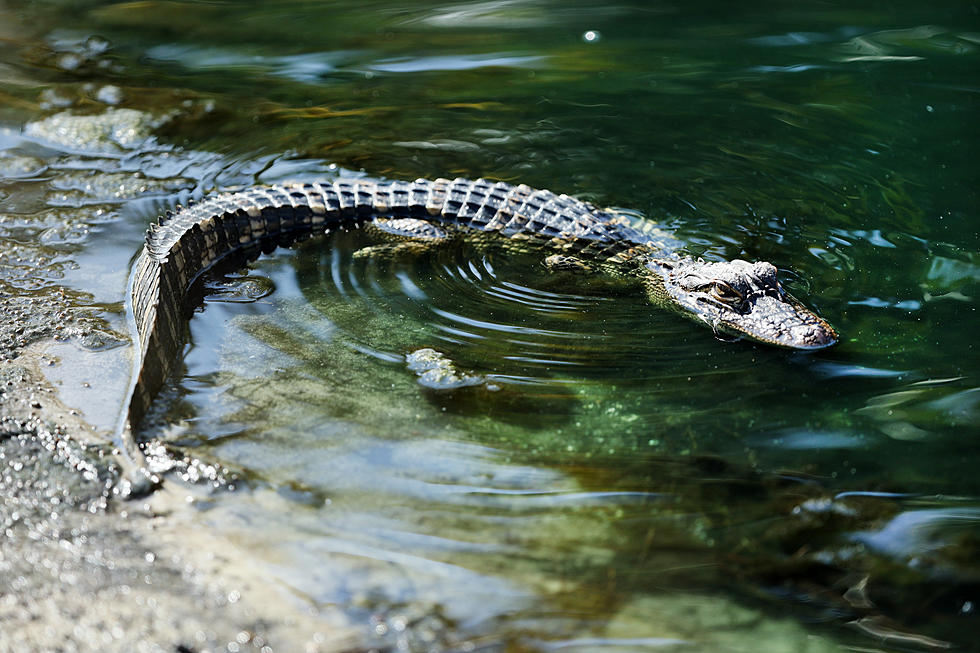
column 736, row 298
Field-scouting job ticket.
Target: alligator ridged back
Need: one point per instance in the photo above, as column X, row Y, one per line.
column 182, row 246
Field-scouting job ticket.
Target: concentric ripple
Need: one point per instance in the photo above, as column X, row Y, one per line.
column 500, row 313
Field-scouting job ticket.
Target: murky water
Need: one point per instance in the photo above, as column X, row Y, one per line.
column 619, row 479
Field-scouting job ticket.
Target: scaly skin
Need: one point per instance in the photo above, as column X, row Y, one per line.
column 738, row 298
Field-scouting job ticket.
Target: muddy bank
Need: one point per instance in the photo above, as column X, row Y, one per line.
column 83, row 569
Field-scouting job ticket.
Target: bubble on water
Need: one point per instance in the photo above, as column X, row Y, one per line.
column 591, row 36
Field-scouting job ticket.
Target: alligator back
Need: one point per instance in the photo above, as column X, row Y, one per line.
column 186, row 243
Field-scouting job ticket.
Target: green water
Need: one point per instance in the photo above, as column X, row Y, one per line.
column 623, row 480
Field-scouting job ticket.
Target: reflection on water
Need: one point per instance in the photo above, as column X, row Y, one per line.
column 917, row 534
column 621, row 480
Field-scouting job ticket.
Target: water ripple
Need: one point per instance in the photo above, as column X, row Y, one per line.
column 505, row 328
column 456, row 62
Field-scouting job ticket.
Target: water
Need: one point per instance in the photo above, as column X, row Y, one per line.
column 621, row 480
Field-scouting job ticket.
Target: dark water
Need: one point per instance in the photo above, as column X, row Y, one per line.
column 622, row 480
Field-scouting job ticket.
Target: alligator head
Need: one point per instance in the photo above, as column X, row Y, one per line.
column 738, row 298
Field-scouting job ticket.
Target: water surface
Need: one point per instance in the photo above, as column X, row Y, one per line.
column 621, row 480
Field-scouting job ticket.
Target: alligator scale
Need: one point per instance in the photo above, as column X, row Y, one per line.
column 737, row 298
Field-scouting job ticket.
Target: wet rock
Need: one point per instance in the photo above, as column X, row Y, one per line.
column 76, row 54
column 112, row 132
column 16, row 165
column 51, row 98
column 438, row 372
column 110, row 94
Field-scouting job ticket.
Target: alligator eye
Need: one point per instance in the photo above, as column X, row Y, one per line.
column 723, row 292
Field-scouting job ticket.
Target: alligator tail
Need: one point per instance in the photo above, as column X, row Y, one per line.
column 185, row 244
